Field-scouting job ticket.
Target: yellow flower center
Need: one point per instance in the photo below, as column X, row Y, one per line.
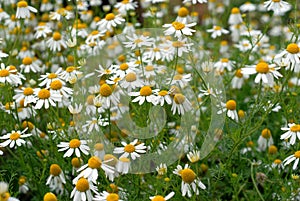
column 110, row 16
column 266, row 133
column 235, row 10
column 95, row 32
column 50, row 197
column 13, row 68
column 44, row 94
column 295, row 128
column 130, row 77
column 76, row 162
column 14, row 136
column 55, row 170
column 224, row 43
column 125, row 1
column 4, row 73
column 183, row 12
column 74, row 143
column 177, row 44
column 124, row 66
column 145, row 91
column 105, row 90
column 27, row 124
column 188, row 175
column 293, row 48
column 262, row 67
column 94, row 162
column 178, row 25
column 52, row 76
column 277, row 161
column 112, row 197
column 111, row 158
column 158, row 198
column 239, row 73
column 217, row 28
column 4, row 196
column 178, row 77
column 82, row 185
column 129, row 148
column 149, row 68
column 137, row 41
column 273, row 149
column 163, row 93
column 297, row 154
column 56, row 36
column 224, row 60
column 27, row 61
column 156, row 49
column 56, row 85
column 179, row 98
column 70, row 69
column 276, row 1
column 231, row 105
column 99, row 146
column 22, row 180
column 22, row 4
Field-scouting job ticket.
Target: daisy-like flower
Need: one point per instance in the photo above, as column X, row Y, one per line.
column 25, row 93
column 175, row 47
column 4, row 194
column 45, row 97
column 75, row 145
column 94, row 36
column 230, row 107
column 179, row 29
column 295, row 157
column 14, row 138
column 126, row 5
column 180, row 104
column 161, row 198
column 238, row 79
column 145, row 94
column 49, row 77
column 278, row 6
column 110, row 20
column 71, row 74
column 56, row 179
column 138, row 41
column 57, row 86
column 193, row 156
column 123, row 165
column 106, row 196
column 265, row 140
column 217, row 31
column 23, row 10
column 290, row 55
column 195, row 1
column 83, row 190
column 161, row 169
column 49, row 197
column 29, row 65
column 292, row 132
column 190, row 182
column 90, row 170
column 163, row 96
column 42, row 30
column 248, row 7
column 132, row 149
column 180, row 79
column 56, row 42
column 9, row 75
column 108, row 96
column 235, row 17
column 224, row 63
column 265, row 72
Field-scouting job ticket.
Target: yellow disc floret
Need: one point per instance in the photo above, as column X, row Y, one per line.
column 74, row 143
column 188, row 175
column 82, row 185
column 55, row 170
column 231, row 105
column 145, row 91
column 262, row 67
column 129, row 148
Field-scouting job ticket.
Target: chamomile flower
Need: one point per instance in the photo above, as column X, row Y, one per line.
column 265, row 72
column 195, row 1
column 26, row 94
column 83, row 190
column 235, row 17
column 126, row 5
column 23, row 10
column 90, row 170
column 106, row 196
column 145, row 94
column 132, row 149
column 56, row 179
column 110, row 20
column 179, row 29
column 181, row 80
column 217, row 31
column 49, row 77
column 46, row 98
column 248, row 7
column 238, row 79
column 94, row 36
column 4, row 194
column 292, row 132
column 131, row 82
column 9, row 75
column 56, row 42
column 108, row 96
column 71, row 74
column 14, row 139
column 190, row 182
column 279, row 7
column 30, row 65
column 265, row 140
column 49, row 197
column 290, row 55
column 193, row 156
column 75, row 145
column 230, row 107
column 180, row 104
column 295, row 157
column 161, row 198
column 163, row 96
column 224, row 63
column 42, row 30
column 138, row 41
column 161, row 169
